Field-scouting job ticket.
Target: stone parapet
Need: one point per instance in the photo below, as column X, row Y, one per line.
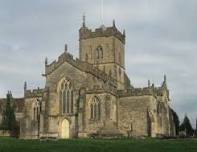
column 34, row 93
column 86, row 33
column 135, row 92
column 102, row 90
column 153, row 91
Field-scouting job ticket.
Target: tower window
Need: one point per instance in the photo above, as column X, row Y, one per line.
column 99, row 52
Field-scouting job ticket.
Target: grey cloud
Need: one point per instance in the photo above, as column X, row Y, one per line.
column 161, row 39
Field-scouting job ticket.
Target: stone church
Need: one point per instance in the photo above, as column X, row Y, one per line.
column 91, row 96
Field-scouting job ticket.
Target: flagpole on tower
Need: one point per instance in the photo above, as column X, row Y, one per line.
column 102, row 10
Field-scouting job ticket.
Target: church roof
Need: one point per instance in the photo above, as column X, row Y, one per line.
column 81, row 65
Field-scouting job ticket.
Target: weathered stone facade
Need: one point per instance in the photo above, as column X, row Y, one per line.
column 92, row 95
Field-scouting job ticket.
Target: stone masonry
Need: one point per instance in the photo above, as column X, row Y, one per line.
column 92, row 95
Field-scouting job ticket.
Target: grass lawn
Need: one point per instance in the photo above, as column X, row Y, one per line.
column 93, row 145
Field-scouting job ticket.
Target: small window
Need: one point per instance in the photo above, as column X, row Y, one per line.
column 99, row 52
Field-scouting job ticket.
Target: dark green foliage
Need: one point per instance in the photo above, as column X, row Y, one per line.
column 9, row 119
column 92, row 145
column 196, row 129
column 176, row 121
column 187, row 127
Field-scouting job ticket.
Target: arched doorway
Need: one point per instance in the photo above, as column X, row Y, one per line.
column 65, row 129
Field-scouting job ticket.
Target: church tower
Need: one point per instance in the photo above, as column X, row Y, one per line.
column 104, row 48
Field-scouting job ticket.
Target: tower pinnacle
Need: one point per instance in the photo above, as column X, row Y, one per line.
column 65, row 47
column 165, row 78
column 149, row 83
column 124, row 33
column 165, row 81
column 25, row 85
column 84, row 20
column 46, row 61
column 114, row 24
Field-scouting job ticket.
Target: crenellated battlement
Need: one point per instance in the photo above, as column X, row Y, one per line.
column 85, row 33
column 151, row 90
column 34, row 93
column 136, row 92
column 81, row 65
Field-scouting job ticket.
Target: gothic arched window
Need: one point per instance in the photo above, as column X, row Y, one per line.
column 95, row 109
column 99, row 52
column 36, row 110
column 66, row 97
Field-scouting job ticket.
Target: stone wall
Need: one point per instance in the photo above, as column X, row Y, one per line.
column 108, row 112
column 79, row 79
column 29, row 123
column 4, row 133
column 113, row 51
column 113, row 60
column 133, row 114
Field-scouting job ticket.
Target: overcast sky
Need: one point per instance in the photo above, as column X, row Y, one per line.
column 161, row 38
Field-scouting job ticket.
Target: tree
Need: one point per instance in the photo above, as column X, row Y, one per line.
column 176, row 121
column 9, row 119
column 187, row 127
column 196, row 129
